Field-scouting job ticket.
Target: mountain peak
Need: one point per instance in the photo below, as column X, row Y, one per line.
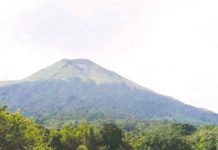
column 82, row 64
column 82, row 69
column 77, row 61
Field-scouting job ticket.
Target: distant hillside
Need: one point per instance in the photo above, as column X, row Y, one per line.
column 71, row 89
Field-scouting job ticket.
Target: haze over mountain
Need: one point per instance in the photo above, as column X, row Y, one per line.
column 70, row 89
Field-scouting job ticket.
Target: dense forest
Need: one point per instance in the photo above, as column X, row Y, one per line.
column 20, row 133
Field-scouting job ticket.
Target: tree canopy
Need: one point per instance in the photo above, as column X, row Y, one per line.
column 20, row 133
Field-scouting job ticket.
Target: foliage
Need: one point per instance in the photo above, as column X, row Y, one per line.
column 112, row 136
column 20, row 133
column 78, row 136
column 205, row 139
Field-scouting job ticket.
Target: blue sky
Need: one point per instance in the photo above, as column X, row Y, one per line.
column 169, row 46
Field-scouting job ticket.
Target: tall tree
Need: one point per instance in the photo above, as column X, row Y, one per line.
column 112, row 136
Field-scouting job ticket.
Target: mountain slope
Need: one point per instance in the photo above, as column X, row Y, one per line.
column 71, row 89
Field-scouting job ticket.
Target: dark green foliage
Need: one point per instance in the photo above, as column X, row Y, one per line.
column 164, row 138
column 184, row 129
column 111, row 136
column 55, row 139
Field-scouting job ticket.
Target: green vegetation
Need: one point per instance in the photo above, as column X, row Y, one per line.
column 20, row 133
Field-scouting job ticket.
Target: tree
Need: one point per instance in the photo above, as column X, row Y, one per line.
column 159, row 137
column 55, row 139
column 111, row 136
column 206, row 138
column 19, row 133
column 72, row 136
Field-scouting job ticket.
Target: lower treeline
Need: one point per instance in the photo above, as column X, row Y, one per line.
column 20, row 133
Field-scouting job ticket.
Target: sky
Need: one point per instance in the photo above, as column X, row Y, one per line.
column 169, row 46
